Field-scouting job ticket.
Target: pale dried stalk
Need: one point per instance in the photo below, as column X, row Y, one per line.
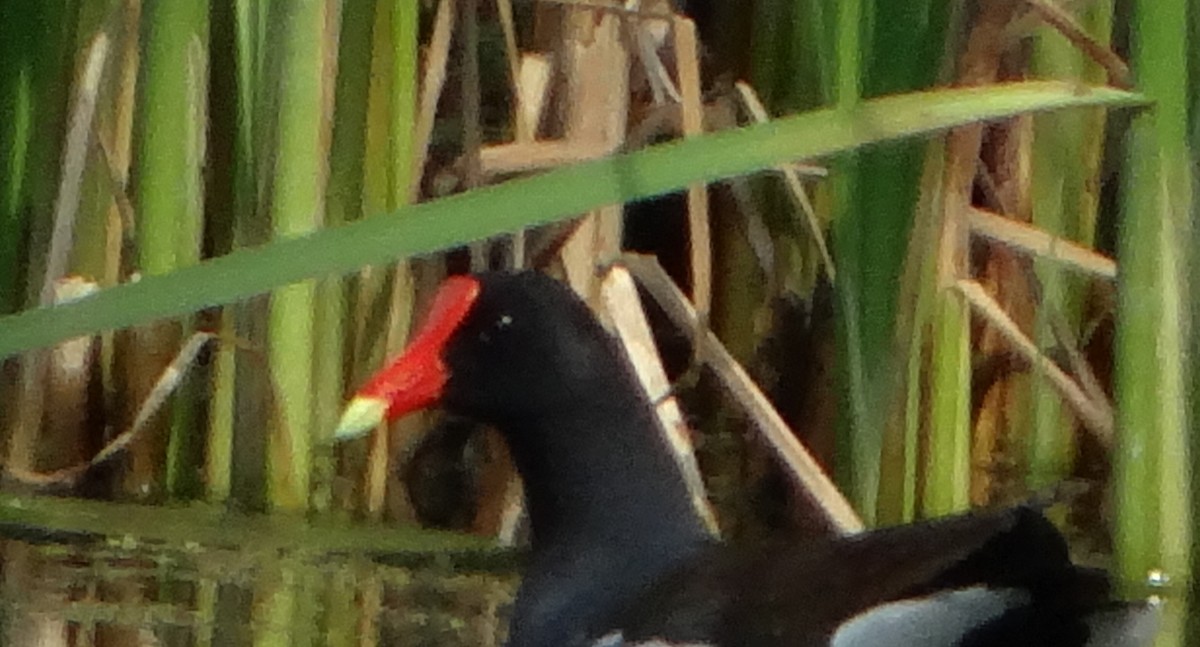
column 511, row 54
column 534, row 74
column 624, row 310
column 79, row 134
column 27, row 421
column 595, row 110
column 115, row 146
column 1096, row 416
column 648, row 34
column 472, row 131
column 166, row 384
column 1066, row 338
column 800, row 463
column 1030, row 239
column 792, row 178
column 687, row 55
column 518, row 157
column 757, row 234
column 595, row 65
column 400, row 434
column 69, row 375
column 1069, row 27
column 512, row 516
column 432, row 81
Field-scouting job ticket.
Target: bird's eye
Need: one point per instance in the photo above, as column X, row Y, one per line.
column 499, row 325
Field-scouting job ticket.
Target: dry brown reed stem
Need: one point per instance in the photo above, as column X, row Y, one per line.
column 513, row 513
column 692, row 106
column 1066, row 24
column 594, row 111
column 66, row 437
column 79, row 135
column 523, row 156
column 979, row 65
column 511, row 54
column 624, row 310
column 791, row 177
column 649, row 33
column 166, row 384
column 114, row 161
column 501, row 509
column 472, row 131
column 1066, row 338
column 800, row 463
column 1097, row 417
column 1034, row 241
column 522, row 128
column 27, row 421
column 433, row 80
column 115, row 141
column 378, row 460
column 471, row 107
column 592, row 59
column 758, row 236
column 535, row 73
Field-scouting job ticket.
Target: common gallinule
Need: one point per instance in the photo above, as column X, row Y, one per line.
column 620, row 557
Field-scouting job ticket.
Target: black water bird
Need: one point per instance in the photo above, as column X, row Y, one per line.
column 619, row 557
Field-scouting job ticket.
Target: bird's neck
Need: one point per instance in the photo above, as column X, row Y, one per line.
column 600, row 471
column 609, row 511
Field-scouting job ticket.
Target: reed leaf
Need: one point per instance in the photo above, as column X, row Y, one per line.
column 555, row 195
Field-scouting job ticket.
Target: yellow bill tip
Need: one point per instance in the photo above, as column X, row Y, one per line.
column 360, row 416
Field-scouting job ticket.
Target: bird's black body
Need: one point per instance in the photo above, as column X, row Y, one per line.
column 620, row 556
column 608, row 510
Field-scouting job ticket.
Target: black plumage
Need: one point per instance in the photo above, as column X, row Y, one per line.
column 620, row 557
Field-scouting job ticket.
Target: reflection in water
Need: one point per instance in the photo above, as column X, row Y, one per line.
column 107, row 594
column 86, row 594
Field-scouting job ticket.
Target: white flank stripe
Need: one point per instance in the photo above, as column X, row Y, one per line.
column 935, row 621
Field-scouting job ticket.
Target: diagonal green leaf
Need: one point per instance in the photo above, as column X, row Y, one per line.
column 551, row 196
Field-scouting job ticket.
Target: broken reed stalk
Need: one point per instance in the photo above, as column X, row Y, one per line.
column 800, row 463
column 624, row 310
column 168, row 381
